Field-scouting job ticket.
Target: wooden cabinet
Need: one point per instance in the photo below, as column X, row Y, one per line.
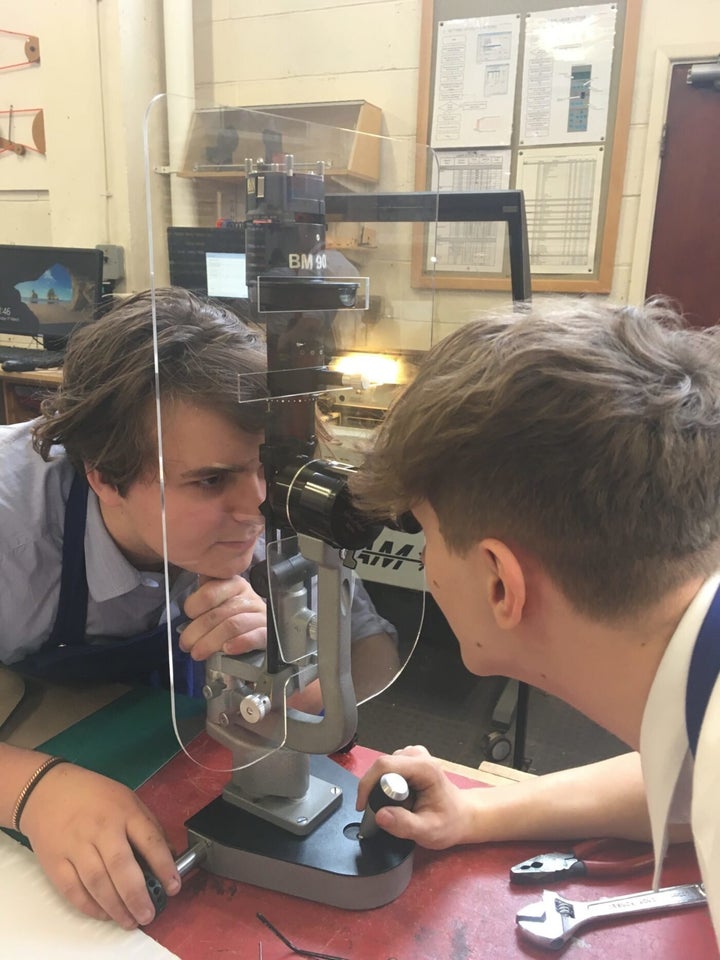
column 22, row 393
column 343, row 134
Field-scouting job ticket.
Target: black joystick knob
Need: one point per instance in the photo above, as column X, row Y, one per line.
column 154, row 887
column 191, row 858
column 391, row 790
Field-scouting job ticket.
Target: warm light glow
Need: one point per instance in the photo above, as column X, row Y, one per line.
column 375, row 368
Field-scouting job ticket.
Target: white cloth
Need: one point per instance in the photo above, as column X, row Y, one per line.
column 680, row 790
column 37, row 924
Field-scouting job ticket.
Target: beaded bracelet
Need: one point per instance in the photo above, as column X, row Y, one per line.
column 30, row 786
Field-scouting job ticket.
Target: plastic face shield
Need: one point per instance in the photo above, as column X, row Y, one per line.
column 314, row 239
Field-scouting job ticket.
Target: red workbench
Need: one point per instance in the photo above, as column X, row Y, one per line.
column 459, row 904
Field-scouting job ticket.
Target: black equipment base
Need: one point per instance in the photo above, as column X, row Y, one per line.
column 329, row 866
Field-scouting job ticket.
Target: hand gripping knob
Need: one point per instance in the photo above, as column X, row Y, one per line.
column 391, row 790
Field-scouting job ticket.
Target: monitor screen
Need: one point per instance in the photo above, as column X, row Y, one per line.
column 210, row 261
column 226, row 275
column 47, row 291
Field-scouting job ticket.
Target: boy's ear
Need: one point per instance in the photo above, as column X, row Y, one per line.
column 504, row 582
column 107, row 493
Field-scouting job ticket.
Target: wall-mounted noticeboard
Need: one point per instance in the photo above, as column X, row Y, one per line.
column 530, row 95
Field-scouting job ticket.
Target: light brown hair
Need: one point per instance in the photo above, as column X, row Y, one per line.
column 588, row 434
column 103, row 414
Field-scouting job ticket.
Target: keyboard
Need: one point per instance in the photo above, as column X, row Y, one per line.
column 40, row 359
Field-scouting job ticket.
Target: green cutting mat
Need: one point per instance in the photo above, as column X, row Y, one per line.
column 130, row 738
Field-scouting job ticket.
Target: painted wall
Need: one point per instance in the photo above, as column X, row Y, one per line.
column 102, row 61
column 284, row 51
column 291, row 51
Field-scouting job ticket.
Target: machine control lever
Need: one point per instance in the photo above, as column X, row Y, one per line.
column 391, row 790
column 192, row 857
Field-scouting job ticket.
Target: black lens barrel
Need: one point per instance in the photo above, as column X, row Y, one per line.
column 314, row 499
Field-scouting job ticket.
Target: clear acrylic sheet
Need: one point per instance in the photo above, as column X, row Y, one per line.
column 370, row 599
column 326, row 301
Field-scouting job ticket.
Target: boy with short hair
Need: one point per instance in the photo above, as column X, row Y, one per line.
column 565, row 467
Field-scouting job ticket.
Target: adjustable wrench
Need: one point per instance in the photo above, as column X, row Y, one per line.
column 554, row 920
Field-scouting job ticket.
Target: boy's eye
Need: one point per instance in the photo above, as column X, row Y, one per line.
column 212, row 481
column 225, row 477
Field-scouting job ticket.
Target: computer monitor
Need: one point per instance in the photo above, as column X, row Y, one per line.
column 209, row 261
column 47, row 291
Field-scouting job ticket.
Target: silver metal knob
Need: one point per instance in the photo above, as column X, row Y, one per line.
column 255, row 707
column 213, row 689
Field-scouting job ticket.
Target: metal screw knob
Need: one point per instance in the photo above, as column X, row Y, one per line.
column 213, row 689
column 255, row 707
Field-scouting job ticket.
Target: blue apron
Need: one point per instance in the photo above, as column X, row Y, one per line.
column 703, row 672
column 66, row 654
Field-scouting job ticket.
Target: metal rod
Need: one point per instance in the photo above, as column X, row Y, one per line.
column 192, row 857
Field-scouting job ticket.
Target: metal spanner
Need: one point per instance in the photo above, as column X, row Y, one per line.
column 554, row 920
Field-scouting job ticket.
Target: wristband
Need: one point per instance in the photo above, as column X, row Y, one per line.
column 30, row 786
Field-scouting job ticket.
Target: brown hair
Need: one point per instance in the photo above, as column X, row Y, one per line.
column 102, row 415
column 589, row 434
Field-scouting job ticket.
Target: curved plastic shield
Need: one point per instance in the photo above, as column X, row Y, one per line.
column 337, row 249
column 335, row 578
column 264, row 240
column 209, row 494
column 346, row 620
column 390, row 585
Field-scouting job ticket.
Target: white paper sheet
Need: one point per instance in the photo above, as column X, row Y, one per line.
column 566, row 74
column 562, row 199
column 470, row 247
column 36, row 924
column 475, row 72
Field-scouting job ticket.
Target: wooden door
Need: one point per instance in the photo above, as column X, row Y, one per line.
column 685, row 252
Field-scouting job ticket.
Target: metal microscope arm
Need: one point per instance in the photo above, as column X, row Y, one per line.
column 247, row 709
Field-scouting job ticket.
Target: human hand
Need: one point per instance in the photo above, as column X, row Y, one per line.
column 441, row 813
column 227, row 616
column 85, row 830
column 230, row 616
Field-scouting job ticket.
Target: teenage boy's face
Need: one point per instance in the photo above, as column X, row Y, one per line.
column 214, row 486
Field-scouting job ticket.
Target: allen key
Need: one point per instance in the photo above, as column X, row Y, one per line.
column 291, row 946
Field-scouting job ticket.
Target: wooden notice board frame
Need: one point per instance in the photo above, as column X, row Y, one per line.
column 614, row 144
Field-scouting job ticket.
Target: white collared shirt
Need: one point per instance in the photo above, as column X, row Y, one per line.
column 680, row 790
